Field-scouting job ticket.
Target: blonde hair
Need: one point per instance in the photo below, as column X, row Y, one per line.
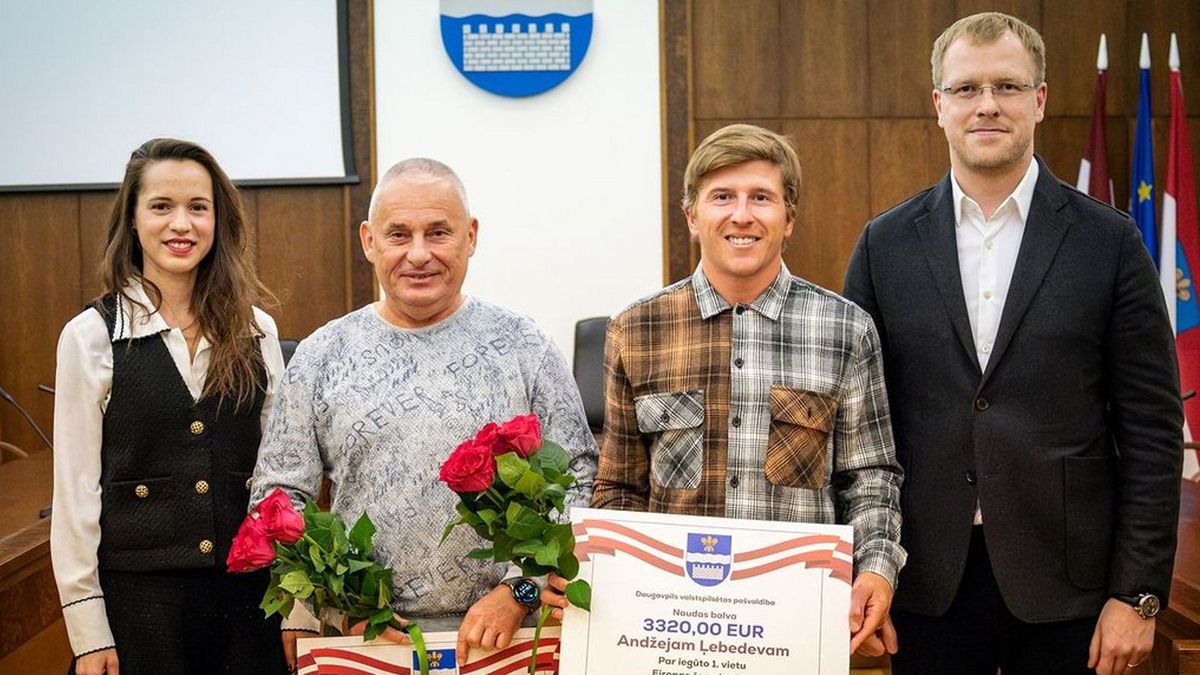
column 986, row 28
column 738, row 144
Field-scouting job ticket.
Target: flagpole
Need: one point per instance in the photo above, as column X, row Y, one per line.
column 1094, row 178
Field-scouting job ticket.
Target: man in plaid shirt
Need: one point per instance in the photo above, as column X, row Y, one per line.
column 746, row 392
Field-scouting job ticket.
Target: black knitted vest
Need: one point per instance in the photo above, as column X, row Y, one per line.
column 175, row 473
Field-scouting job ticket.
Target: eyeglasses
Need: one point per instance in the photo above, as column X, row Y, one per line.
column 967, row 91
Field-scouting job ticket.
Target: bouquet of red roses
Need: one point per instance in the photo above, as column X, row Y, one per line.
column 508, row 479
column 313, row 558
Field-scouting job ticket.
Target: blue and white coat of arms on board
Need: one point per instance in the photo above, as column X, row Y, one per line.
column 516, row 47
column 708, row 558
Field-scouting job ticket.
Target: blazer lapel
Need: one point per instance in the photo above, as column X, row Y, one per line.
column 936, row 229
column 1044, row 232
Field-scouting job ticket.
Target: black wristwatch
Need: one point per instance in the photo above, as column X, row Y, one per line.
column 526, row 592
column 1145, row 604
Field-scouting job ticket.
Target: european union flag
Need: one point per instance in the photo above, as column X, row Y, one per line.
column 1141, row 188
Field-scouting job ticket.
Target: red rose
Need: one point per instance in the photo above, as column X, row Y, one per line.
column 489, row 437
column 469, row 468
column 523, row 433
column 280, row 520
column 251, row 548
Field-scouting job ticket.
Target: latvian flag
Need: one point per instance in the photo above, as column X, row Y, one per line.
column 346, row 661
column 515, row 659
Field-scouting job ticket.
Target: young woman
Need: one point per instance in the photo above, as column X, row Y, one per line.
column 163, row 385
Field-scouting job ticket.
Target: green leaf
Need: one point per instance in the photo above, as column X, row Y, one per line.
column 511, row 468
column 296, row 583
column 318, row 561
column 568, row 565
column 579, row 592
column 480, row 554
column 357, row 565
column 552, row 456
column 548, row 554
column 322, row 538
column 503, row 546
column 529, row 568
column 288, row 605
column 531, row 484
column 562, row 535
column 450, row 528
column 556, row 493
column 529, row 547
column 524, row 523
column 488, row 516
column 566, row 480
column 361, row 534
column 273, row 602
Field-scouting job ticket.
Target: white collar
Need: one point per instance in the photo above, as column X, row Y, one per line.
column 135, row 322
column 1020, row 199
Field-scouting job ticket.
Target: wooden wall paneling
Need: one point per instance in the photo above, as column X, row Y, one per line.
column 39, row 292
column 906, row 156
column 94, row 211
column 900, row 37
column 833, row 208
column 1071, row 32
column 676, row 55
column 302, row 247
column 1060, row 141
column 823, row 48
column 1159, row 18
column 360, row 274
column 736, row 58
column 1029, row 11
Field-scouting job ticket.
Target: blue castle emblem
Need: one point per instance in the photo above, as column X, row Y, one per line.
column 708, row 558
column 516, row 47
column 440, row 661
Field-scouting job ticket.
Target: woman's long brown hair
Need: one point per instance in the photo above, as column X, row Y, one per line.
column 226, row 284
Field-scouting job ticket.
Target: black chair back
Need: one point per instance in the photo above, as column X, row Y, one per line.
column 288, row 345
column 589, row 368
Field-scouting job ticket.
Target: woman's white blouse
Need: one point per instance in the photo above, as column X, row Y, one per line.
column 83, row 383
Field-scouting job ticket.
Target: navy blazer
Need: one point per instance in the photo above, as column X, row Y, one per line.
column 1070, row 440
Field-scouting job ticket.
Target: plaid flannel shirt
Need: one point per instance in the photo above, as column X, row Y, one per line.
column 775, row 410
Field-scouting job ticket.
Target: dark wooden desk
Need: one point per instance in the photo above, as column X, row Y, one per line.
column 1177, row 647
column 26, row 487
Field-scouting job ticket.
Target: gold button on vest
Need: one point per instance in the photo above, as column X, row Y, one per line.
column 141, row 491
column 249, row 481
column 197, row 428
column 201, row 487
column 206, row 547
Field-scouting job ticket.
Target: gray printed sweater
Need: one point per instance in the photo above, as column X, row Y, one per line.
column 379, row 408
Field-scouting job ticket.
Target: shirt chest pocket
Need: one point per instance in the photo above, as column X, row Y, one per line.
column 674, row 425
column 800, row 426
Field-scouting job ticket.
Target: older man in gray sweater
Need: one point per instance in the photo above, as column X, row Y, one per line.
column 378, row 398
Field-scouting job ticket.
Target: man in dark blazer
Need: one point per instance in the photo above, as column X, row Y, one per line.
column 1033, row 386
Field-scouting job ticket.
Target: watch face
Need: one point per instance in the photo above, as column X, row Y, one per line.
column 526, row 591
column 1148, row 605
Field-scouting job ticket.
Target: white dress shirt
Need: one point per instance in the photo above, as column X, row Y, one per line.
column 987, row 254
column 83, row 384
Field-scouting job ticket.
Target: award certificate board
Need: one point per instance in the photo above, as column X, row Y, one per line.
column 349, row 655
column 686, row 595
